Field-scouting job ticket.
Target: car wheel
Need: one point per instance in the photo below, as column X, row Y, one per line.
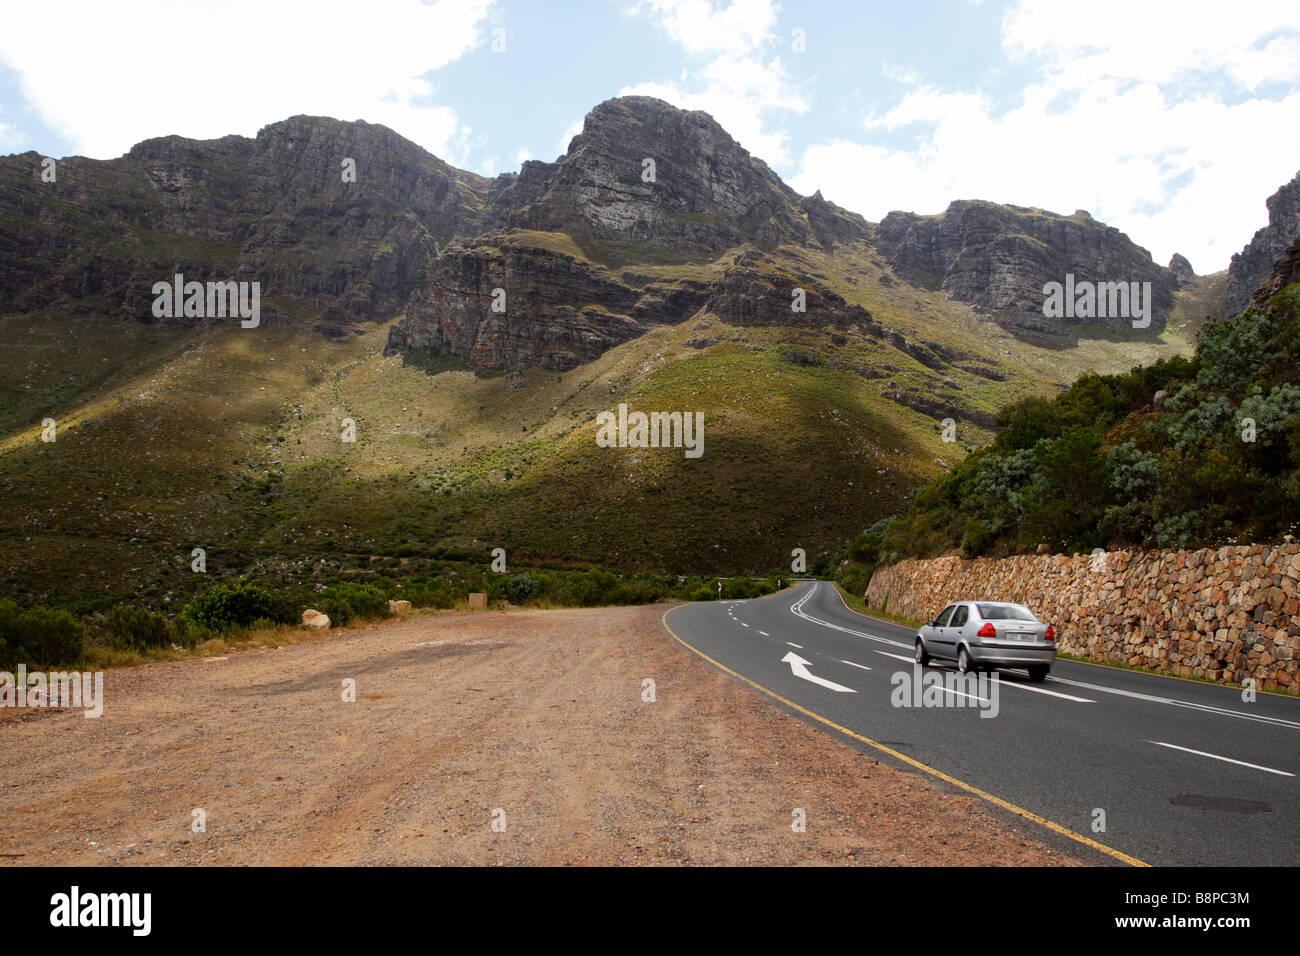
column 922, row 657
column 1038, row 673
column 963, row 661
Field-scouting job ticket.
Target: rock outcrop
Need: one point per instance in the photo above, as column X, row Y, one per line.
column 509, row 306
column 1252, row 267
column 644, row 172
column 750, row 294
column 513, row 307
column 314, row 618
column 275, row 209
column 1180, row 267
column 1285, row 272
column 998, row 259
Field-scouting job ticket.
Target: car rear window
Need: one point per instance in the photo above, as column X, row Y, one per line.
column 1005, row 612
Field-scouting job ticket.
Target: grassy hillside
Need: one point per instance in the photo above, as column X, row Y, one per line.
column 1202, row 300
column 230, row 440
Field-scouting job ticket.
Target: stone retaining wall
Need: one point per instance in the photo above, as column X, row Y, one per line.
column 1225, row 614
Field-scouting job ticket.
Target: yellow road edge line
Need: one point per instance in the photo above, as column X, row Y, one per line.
column 997, row 801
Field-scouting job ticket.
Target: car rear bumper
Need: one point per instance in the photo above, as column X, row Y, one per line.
column 1011, row 655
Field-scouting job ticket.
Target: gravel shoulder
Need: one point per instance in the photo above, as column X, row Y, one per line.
column 532, row 719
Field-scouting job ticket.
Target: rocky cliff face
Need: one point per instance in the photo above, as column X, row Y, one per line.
column 998, row 258
column 510, row 307
column 1253, row 265
column 644, row 172
column 1180, row 267
column 1285, row 272
column 643, row 182
column 275, row 209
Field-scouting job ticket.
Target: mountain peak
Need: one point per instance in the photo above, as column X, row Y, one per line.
column 1180, row 267
column 643, row 171
column 998, row 257
column 1254, row 264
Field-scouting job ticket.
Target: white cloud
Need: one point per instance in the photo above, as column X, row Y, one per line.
column 739, row 80
column 899, row 74
column 108, row 75
column 733, row 31
column 1161, row 135
column 1153, row 42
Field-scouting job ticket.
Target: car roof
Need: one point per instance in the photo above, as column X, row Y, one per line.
column 974, row 605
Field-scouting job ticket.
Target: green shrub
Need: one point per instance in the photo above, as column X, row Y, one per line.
column 521, row 588
column 349, row 602
column 852, row 578
column 593, row 588
column 135, row 628
column 424, row 593
column 38, row 636
column 238, row 604
column 734, row 589
column 641, row 592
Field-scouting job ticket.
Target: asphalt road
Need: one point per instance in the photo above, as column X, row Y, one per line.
column 1179, row 772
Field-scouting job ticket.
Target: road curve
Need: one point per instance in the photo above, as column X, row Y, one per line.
column 1137, row 767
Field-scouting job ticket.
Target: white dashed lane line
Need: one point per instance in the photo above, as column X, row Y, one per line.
column 1202, row 753
column 1004, row 683
column 897, row 657
column 798, row 611
column 1222, row 711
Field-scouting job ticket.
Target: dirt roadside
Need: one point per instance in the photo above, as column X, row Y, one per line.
column 534, row 718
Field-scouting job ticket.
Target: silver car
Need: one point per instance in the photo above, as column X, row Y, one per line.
column 988, row 634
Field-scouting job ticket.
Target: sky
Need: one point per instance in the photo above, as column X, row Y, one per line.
column 1170, row 121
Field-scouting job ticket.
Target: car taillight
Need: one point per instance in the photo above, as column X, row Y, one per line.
column 1051, row 633
column 987, row 631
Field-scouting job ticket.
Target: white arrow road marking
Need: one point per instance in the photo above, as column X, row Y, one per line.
column 799, row 667
column 1239, row 763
